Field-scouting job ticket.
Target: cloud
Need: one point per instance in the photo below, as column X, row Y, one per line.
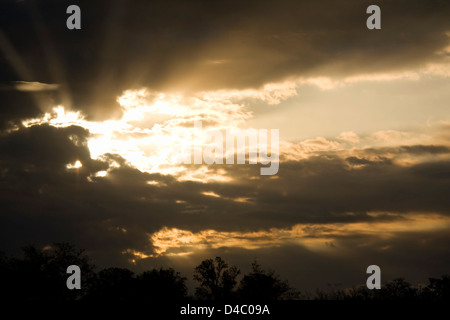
column 31, row 86
column 315, row 237
column 152, row 45
column 318, row 190
column 322, row 210
column 155, row 127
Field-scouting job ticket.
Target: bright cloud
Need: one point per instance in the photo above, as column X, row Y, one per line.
column 174, row 241
column 156, row 127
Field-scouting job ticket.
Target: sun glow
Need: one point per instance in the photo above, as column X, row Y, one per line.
column 155, row 128
column 75, row 165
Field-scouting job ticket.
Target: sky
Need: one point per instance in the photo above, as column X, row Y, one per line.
column 94, row 124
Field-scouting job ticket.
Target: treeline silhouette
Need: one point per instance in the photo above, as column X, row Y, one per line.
column 41, row 275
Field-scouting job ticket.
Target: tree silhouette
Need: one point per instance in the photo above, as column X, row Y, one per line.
column 359, row 293
column 113, row 284
column 121, row 284
column 6, row 277
column 162, row 285
column 41, row 274
column 396, row 289
column 437, row 289
column 217, row 279
column 262, row 285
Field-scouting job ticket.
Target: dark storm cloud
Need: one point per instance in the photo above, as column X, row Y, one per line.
column 200, row 45
column 43, row 146
column 358, row 161
column 43, row 201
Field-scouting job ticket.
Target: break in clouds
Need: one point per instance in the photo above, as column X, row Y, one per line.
column 92, row 121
